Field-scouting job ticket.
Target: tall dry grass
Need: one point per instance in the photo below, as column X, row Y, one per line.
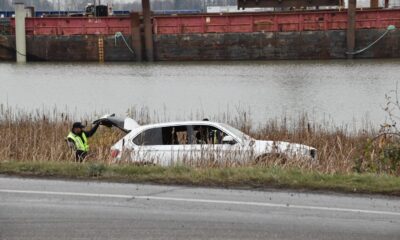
column 40, row 136
column 338, row 147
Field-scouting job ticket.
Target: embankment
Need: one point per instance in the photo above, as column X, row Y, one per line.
column 33, row 144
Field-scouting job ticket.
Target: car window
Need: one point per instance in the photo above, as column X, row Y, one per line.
column 174, row 135
column 178, row 135
column 236, row 132
column 149, row 137
column 202, row 134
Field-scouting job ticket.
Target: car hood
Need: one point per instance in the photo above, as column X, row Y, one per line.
column 290, row 149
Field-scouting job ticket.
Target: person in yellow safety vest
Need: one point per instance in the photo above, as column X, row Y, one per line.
column 78, row 139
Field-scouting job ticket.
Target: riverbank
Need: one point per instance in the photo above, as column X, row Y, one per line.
column 234, row 177
column 41, row 136
column 348, row 160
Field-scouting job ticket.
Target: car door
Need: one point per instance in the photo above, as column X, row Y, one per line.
column 170, row 145
column 207, row 146
column 148, row 148
column 176, row 140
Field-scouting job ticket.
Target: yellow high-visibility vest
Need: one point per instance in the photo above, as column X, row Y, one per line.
column 80, row 143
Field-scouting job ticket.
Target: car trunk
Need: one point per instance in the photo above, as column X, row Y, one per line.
column 125, row 124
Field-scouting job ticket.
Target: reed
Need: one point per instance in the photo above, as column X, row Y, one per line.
column 39, row 136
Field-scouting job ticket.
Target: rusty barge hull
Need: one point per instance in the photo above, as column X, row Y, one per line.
column 197, row 47
column 256, row 36
column 65, row 48
column 273, row 46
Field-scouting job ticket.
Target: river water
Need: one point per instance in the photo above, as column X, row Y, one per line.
column 344, row 91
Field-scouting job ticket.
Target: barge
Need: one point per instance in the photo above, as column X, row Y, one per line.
column 295, row 34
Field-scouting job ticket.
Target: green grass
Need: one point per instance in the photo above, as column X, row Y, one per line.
column 239, row 177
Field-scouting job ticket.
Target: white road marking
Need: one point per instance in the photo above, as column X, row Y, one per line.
column 277, row 205
column 258, row 204
column 67, row 193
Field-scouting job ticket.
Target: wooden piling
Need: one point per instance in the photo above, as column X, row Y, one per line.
column 136, row 37
column 148, row 30
column 351, row 27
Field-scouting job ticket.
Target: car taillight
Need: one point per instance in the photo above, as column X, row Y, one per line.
column 114, row 153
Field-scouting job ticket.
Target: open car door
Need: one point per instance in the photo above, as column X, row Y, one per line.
column 110, row 120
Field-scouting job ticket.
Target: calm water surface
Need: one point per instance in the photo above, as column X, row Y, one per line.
column 345, row 91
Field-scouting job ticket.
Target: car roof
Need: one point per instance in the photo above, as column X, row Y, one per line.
column 179, row 123
column 141, row 128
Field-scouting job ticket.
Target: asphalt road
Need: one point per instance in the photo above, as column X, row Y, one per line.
column 49, row 209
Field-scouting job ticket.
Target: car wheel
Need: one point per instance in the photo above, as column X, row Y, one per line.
column 268, row 158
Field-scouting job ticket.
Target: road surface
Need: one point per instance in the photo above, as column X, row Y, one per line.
column 54, row 209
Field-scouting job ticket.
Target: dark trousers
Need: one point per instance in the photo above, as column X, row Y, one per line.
column 80, row 155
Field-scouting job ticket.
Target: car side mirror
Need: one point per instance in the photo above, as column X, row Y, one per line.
column 228, row 140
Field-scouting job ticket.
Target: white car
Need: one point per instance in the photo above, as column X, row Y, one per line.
column 194, row 141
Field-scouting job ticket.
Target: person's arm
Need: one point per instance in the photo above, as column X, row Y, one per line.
column 92, row 131
column 71, row 143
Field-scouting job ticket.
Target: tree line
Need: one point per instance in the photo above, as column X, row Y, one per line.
column 135, row 5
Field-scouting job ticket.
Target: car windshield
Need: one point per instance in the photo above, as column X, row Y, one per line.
column 236, row 132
